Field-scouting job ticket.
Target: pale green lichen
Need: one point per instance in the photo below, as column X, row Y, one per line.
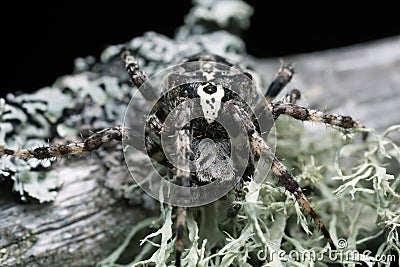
column 349, row 185
column 38, row 185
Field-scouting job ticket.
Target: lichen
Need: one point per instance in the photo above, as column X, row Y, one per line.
column 95, row 96
column 352, row 185
column 349, row 186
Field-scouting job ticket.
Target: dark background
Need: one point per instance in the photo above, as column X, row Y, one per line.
column 40, row 43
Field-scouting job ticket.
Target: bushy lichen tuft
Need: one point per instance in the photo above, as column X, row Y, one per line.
column 352, row 184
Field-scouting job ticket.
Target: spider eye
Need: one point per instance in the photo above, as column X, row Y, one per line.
column 210, row 89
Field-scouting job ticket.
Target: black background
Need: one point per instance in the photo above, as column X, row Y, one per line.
column 40, row 43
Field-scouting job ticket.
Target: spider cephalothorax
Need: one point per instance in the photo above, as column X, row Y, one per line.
column 205, row 124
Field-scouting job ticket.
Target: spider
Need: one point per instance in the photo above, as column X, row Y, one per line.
column 185, row 131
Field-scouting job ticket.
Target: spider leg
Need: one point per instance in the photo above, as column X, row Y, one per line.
column 305, row 114
column 292, row 97
column 261, row 148
column 139, row 80
column 239, row 192
column 182, row 174
column 180, row 225
column 91, row 143
column 138, row 77
column 154, row 129
column 281, row 79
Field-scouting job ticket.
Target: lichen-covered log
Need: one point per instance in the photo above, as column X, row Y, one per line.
column 75, row 212
column 85, row 212
column 85, row 222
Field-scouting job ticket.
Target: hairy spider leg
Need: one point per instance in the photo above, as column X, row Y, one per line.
column 304, row 114
column 96, row 140
column 154, row 129
column 260, row 147
column 91, row 143
column 180, row 226
column 182, row 174
column 281, row 79
column 292, row 96
column 139, row 79
column 287, row 105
